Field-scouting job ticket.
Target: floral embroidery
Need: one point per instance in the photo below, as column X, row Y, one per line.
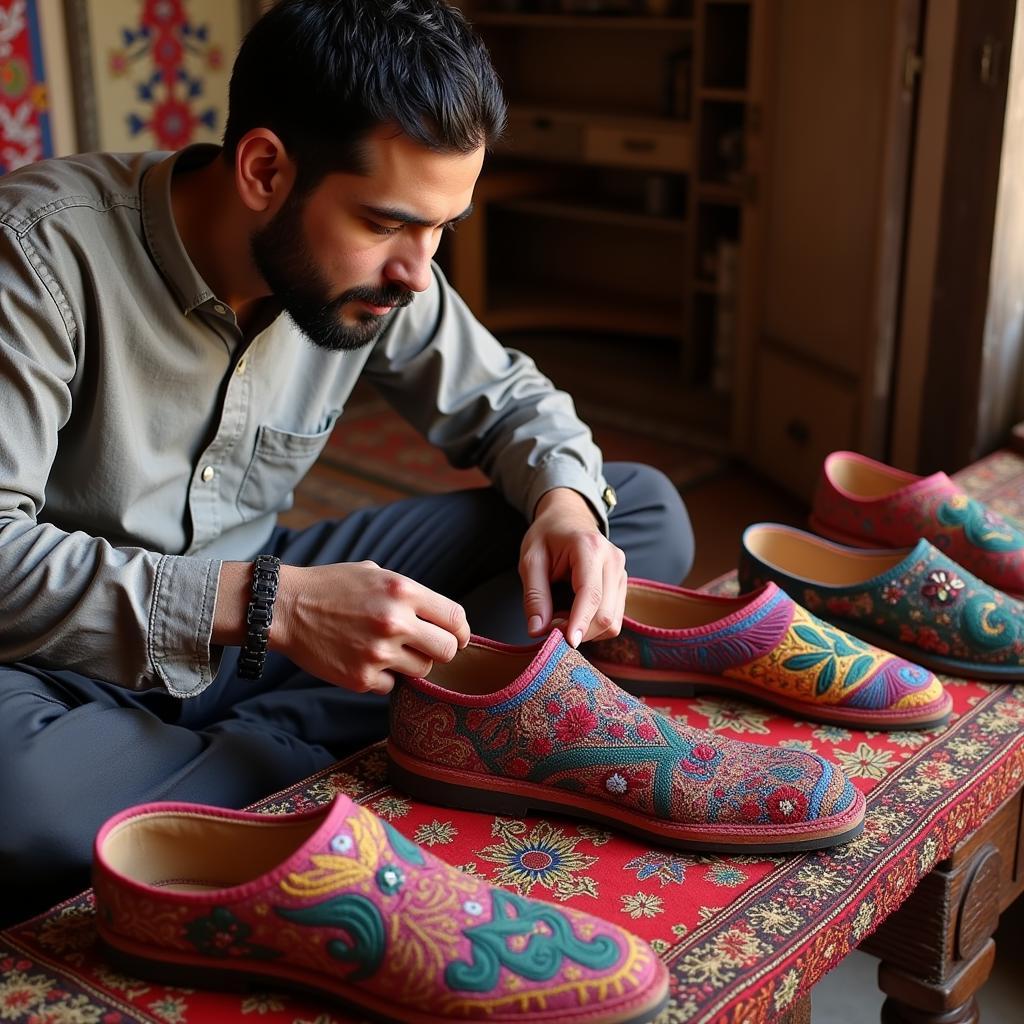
column 893, row 593
column 668, row 868
column 221, row 934
column 642, row 904
column 577, row 721
column 942, row 586
column 435, row 833
column 546, row 857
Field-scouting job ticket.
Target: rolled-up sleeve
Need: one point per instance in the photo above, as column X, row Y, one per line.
column 483, row 404
column 133, row 617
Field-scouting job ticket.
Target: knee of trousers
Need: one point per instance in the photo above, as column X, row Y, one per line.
column 43, row 835
column 650, row 522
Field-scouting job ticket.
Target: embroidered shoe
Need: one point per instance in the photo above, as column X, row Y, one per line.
column 337, row 902
column 868, row 504
column 765, row 647
column 917, row 602
column 509, row 730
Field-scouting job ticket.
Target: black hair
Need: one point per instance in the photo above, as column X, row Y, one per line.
column 322, row 74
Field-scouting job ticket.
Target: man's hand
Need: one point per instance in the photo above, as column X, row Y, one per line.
column 565, row 543
column 353, row 624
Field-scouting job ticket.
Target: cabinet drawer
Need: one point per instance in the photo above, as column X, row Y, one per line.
column 801, row 413
column 665, row 151
column 544, row 136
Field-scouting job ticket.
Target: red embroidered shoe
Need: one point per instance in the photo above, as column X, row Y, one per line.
column 337, row 902
column 509, row 730
column 868, row 504
column 765, row 647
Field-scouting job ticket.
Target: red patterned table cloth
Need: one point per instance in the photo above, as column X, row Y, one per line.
column 744, row 937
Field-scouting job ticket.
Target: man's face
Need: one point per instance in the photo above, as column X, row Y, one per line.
column 343, row 256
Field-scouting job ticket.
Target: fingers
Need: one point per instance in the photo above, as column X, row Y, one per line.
column 588, row 583
column 534, row 571
column 446, row 616
column 607, row 621
column 600, row 585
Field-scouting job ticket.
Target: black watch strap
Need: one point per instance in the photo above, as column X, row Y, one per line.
column 260, row 614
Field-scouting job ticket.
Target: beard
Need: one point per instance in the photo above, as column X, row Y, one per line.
column 286, row 264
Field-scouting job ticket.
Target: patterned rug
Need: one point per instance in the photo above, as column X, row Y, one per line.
column 743, row 936
column 374, row 441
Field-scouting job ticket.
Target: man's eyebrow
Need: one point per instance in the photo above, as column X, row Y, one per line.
column 404, row 217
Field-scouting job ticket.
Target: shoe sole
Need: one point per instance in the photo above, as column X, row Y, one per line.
column 654, row 683
column 168, row 967
column 492, row 795
column 831, row 533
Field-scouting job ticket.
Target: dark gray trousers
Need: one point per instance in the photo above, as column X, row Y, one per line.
column 74, row 750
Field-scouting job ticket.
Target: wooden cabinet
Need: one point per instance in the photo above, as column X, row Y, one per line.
column 625, row 197
column 842, row 111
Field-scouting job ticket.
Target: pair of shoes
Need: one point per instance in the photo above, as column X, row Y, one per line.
column 336, row 902
column 938, row 599
column 865, row 503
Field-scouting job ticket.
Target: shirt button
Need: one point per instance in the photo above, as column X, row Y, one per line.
column 208, row 474
column 218, row 308
column 240, row 368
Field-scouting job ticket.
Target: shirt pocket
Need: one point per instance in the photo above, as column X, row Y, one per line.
column 279, row 461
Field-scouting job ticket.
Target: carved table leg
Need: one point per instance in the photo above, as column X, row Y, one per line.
column 937, row 949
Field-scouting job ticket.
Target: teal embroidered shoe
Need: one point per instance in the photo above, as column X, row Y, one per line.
column 915, row 602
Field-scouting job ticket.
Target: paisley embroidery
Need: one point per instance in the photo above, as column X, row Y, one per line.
column 545, row 951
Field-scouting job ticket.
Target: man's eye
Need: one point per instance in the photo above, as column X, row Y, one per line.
column 382, row 229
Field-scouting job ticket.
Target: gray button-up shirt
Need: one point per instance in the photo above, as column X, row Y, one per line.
column 142, row 440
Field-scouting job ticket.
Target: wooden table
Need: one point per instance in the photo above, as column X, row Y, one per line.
column 745, row 938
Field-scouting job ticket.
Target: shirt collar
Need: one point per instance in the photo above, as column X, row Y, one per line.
column 161, row 232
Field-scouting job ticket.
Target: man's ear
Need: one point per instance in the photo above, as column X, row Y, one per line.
column 264, row 173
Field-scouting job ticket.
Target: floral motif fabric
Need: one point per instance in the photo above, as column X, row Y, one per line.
column 715, row 919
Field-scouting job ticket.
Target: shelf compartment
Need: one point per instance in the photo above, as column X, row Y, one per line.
column 578, row 136
column 638, row 23
column 726, row 46
column 722, row 155
column 531, row 305
column 716, row 223
column 565, row 209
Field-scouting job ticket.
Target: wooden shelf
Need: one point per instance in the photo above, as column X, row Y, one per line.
column 707, row 92
column 514, row 307
column 719, row 192
column 613, row 216
column 577, row 21
column 625, row 119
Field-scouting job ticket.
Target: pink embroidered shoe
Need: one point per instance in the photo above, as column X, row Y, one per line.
column 765, row 647
column 865, row 503
column 509, row 730
column 337, row 902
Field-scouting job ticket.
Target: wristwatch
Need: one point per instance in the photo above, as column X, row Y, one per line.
column 259, row 615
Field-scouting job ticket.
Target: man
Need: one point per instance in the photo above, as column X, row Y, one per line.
column 179, row 334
